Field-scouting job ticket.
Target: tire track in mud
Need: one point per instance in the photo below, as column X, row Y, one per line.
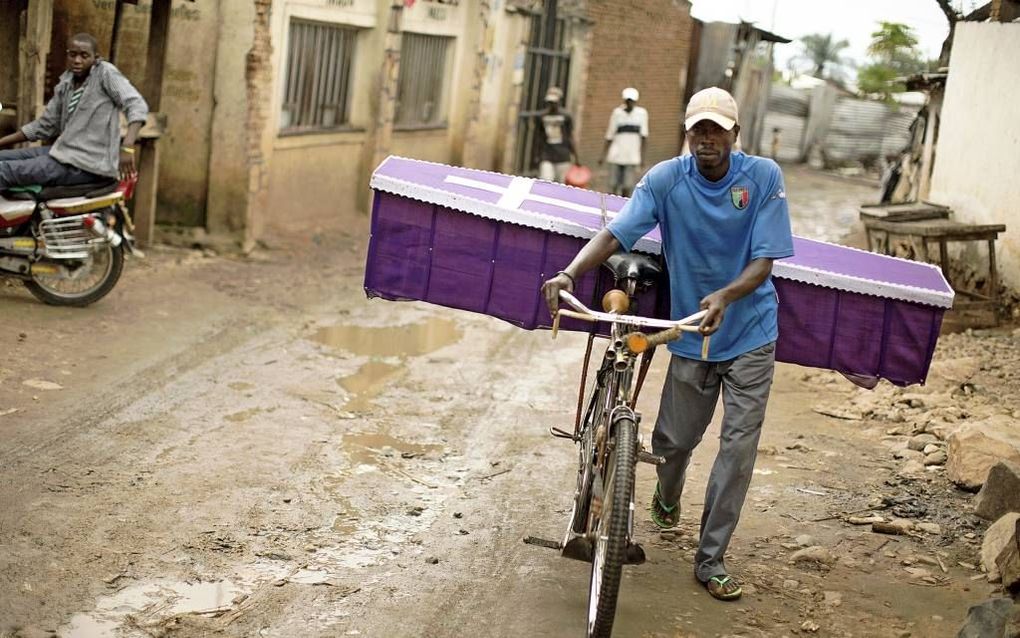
column 477, row 590
column 122, row 393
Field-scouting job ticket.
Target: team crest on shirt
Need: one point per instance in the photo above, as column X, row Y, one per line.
column 740, row 196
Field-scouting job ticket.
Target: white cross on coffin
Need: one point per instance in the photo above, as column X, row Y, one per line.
column 519, row 191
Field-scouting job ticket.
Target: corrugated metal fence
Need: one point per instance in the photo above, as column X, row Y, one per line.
column 864, row 131
column 788, row 112
column 854, row 130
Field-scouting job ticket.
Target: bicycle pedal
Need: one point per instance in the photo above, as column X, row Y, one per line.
column 635, row 554
column 542, row 542
column 648, row 457
column 562, row 434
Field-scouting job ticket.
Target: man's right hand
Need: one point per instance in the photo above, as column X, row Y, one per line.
column 551, row 291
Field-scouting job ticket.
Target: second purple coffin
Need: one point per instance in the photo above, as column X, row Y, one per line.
column 484, row 242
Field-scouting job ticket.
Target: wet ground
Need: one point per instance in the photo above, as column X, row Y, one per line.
column 249, row 447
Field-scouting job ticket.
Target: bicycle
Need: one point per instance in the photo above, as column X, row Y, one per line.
column 606, row 429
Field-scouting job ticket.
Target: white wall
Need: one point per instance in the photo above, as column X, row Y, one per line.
column 977, row 158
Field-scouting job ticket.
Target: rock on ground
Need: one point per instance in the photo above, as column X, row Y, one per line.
column 996, row 538
column 1000, row 493
column 975, row 448
column 1008, row 561
column 813, row 554
column 987, row 619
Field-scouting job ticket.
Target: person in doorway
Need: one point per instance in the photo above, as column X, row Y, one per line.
column 724, row 219
column 84, row 118
column 625, row 143
column 555, row 143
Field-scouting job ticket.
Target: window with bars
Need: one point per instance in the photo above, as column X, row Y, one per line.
column 421, row 93
column 320, row 63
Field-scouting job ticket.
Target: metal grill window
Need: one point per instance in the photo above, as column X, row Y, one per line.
column 320, row 63
column 424, row 66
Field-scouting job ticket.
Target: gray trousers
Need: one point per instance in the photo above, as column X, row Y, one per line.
column 689, row 397
column 29, row 166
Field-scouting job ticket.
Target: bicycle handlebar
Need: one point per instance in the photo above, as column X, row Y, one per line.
column 636, row 341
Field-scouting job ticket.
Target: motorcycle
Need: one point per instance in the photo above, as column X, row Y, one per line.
column 67, row 243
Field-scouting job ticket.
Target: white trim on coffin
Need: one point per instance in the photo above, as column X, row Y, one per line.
column 529, row 219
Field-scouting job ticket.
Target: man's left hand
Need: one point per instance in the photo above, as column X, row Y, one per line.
column 127, row 164
column 715, row 304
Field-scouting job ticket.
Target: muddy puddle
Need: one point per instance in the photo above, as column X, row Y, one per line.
column 150, row 601
column 365, row 384
column 370, row 448
column 408, row 340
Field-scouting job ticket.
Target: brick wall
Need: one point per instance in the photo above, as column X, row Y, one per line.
column 644, row 44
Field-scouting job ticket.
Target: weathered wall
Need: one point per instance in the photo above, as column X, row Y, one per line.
column 644, row 44
column 319, row 174
column 226, row 205
column 492, row 85
column 9, row 11
column 188, row 101
column 976, row 163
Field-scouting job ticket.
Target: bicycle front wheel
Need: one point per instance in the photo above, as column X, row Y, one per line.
column 611, row 532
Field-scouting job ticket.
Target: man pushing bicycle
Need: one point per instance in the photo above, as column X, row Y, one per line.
column 723, row 218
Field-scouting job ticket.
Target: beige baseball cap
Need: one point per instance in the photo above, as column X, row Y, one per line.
column 712, row 104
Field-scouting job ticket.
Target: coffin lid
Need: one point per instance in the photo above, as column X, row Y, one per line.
column 581, row 213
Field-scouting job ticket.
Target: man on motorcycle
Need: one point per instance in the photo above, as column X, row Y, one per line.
column 84, row 117
column 724, row 219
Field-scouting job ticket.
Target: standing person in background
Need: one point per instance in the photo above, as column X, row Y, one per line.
column 775, row 144
column 625, row 143
column 555, row 143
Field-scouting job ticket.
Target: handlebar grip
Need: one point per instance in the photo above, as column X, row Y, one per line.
column 638, row 342
column 664, row 336
column 616, row 301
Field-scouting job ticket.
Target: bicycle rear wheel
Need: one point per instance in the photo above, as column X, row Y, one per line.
column 611, row 533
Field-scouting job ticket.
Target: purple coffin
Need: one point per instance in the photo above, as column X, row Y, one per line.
column 484, row 242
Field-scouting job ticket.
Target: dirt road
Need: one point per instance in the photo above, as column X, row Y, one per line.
column 249, row 447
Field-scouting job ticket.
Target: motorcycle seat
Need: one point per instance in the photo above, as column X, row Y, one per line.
column 12, row 209
column 45, row 193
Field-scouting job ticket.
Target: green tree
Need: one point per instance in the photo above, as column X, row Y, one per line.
column 878, row 79
column 894, row 52
column 822, row 50
column 891, row 39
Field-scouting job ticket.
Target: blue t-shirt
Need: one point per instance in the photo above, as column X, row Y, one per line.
column 710, row 232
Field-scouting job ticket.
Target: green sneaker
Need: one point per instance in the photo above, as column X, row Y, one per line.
column 662, row 516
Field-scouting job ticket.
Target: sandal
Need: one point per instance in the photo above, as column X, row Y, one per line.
column 723, row 588
column 664, row 517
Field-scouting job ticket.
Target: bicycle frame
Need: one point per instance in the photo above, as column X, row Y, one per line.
column 613, row 396
column 607, row 430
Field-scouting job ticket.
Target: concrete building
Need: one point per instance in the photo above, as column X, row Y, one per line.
column 277, row 111
column 976, row 157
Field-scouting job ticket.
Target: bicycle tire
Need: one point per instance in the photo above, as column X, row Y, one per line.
column 610, row 551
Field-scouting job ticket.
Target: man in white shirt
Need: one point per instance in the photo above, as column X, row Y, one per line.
column 625, row 143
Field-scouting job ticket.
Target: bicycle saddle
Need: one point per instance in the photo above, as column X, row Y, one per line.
column 645, row 270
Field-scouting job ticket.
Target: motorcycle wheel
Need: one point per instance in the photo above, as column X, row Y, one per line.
column 93, row 278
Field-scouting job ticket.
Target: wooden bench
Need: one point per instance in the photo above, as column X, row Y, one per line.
column 941, row 231
column 907, row 211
